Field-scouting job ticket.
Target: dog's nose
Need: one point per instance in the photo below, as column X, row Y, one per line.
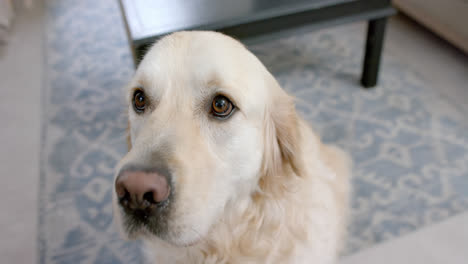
column 141, row 189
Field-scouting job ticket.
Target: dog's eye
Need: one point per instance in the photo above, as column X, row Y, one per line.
column 139, row 101
column 221, row 107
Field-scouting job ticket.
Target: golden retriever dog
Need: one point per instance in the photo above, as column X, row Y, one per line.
column 220, row 168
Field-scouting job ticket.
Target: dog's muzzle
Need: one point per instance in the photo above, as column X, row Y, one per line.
column 143, row 195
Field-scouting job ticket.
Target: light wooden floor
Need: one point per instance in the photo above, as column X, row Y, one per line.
column 21, row 80
column 445, row 242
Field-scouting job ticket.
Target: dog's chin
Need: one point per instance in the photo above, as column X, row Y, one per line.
column 176, row 240
column 134, row 233
column 145, row 233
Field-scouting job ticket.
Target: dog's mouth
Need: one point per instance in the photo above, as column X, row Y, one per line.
column 152, row 220
column 140, row 225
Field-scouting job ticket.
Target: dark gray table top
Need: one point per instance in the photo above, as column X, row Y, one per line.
column 148, row 18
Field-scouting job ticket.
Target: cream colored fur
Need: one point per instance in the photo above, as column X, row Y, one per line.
column 257, row 188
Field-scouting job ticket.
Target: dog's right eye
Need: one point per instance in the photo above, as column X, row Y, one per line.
column 139, row 101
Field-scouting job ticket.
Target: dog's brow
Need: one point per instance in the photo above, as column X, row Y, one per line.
column 214, row 82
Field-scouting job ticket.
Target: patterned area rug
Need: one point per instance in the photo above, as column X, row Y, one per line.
column 409, row 144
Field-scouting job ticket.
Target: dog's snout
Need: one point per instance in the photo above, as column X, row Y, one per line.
column 141, row 189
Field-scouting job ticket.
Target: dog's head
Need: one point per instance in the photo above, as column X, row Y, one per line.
column 206, row 122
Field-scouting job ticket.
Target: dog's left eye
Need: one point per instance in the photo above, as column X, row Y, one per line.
column 222, row 107
column 139, row 101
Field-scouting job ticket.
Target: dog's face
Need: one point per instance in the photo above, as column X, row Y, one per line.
column 197, row 109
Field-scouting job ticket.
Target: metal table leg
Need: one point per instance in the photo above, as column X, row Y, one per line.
column 375, row 36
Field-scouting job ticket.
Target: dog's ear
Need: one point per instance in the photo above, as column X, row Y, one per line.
column 282, row 136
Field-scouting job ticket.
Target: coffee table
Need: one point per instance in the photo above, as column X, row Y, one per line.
column 253, row 21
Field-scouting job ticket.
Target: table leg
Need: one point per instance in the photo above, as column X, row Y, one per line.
column 374, row 43
column 139, row 52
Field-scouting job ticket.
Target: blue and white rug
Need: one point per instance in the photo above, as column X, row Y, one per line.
column 409, row 144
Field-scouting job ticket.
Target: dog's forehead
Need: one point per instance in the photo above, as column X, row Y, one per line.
column 194, row 66
column 198, row 47
column 198, row 58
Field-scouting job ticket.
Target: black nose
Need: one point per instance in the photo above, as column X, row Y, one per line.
column 141, row 189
